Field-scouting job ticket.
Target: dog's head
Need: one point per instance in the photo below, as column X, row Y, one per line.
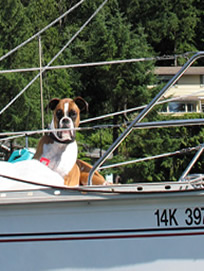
column 66, row 114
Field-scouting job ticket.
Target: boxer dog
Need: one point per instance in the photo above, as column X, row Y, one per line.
column 59, row 148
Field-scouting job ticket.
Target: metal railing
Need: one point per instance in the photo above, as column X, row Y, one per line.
column 144, row 112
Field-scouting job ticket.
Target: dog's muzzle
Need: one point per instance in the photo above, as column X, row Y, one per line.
column 68, row 133
column 66, row 123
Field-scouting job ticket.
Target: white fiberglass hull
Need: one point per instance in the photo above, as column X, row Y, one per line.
column 72, row 230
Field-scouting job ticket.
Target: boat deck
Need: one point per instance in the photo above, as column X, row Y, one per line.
column 37, row 194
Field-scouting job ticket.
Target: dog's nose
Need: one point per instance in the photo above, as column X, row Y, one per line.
column 65, row 120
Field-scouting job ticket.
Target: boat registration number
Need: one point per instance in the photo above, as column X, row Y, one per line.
column 170, row 217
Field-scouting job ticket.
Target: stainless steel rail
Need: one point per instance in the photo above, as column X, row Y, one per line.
column 144, row 112
column 195, row 158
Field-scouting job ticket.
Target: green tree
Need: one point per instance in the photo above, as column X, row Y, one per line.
column 14, row 28
column 56, row 83
column 170, row 25
column 145, row 143
column 199, row 31
column 19, row 20
column 113, row 88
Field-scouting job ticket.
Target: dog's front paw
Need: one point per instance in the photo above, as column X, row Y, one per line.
column 107, row 183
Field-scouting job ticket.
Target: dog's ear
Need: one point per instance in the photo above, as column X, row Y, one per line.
column 81, row 103
column 52, row 104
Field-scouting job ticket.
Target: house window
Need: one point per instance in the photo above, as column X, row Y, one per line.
column 177, row 107
column 202, row 79
column 164, row 78
column 191, row 107
column 180, row 107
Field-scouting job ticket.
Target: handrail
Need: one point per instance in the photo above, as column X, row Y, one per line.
column 195, row 158
column 144, row 112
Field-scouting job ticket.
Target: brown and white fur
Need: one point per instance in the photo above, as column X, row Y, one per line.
column 60, row 147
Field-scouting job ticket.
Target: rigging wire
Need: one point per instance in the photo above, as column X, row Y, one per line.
column 182, row 151
column 101, row 63
column 142, row 125
column 130, row 110
column 55, row 57
column 41, row 31
column 178, row 152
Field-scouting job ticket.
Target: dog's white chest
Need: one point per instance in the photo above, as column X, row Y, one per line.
column 61, row 157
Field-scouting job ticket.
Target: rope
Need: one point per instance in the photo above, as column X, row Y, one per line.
column 41, row 31
column 137, row 108
column 142, row 125
column 42, row 131
column 183, row 151
column 26, row 133
column 55, row 57
column 102, row 63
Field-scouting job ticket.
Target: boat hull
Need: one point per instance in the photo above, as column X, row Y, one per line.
column 83, row 231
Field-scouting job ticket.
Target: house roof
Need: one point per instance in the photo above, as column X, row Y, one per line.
column 173, row 70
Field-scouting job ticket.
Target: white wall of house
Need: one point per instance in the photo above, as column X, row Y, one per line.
column 189, row 89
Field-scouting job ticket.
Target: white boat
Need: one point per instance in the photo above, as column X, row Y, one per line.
column 147, row 226
column 142, row 227
column 45, row 225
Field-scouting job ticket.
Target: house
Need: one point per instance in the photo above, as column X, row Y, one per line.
column 188, row 91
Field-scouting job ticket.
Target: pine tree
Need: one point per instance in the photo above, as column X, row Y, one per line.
column 14, row 28
column 169, row 25
column 116, row 87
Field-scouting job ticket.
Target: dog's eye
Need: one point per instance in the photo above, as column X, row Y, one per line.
column 59, row 114
column 72, row 114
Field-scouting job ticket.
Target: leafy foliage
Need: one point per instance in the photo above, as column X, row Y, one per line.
column 170, row 25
